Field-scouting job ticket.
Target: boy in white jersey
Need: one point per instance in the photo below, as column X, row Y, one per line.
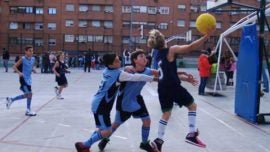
column 24, row 67
column 131, row 103
column 103, row 100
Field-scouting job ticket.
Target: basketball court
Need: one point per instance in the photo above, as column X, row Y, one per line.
column 60, row 123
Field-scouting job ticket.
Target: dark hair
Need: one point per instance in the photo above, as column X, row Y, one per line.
column 135, row 54
column 28, row 47
column 108, row 59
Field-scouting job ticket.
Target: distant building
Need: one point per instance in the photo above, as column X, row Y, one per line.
column 102, row 25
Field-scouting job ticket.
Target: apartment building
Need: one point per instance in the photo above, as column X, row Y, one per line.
column 101, row 26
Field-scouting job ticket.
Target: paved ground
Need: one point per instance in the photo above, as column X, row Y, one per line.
column 60, row 123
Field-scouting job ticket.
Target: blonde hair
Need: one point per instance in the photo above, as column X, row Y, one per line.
column 156, row 39
column 59, row 53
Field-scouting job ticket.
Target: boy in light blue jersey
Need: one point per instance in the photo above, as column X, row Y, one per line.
column 24, row 67
column 103, row 100
column 131, row 103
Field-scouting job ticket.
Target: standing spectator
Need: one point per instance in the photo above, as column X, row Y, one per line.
column 204, row 70
column 52, row 59
column 87, row 61
column 126, row 56
column 230, row 67
column 5, row 58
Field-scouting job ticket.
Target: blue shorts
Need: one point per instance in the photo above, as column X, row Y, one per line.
column 142, row 113
column 169, row 95
column 103, row 121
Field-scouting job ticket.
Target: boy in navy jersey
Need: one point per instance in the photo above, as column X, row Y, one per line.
column 170, row 89
column 24, row 67
column 130, row 102
column 103, row 100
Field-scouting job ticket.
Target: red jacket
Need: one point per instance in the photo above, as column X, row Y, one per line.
column 204, row 66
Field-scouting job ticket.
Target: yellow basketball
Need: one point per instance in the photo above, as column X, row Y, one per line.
column 205, row 22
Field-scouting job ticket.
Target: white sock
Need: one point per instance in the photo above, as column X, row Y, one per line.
column 161, row 128
column 192, row 121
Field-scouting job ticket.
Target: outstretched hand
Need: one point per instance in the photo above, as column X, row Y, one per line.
column 192, row 80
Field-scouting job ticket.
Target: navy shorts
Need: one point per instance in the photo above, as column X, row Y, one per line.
column 24, row 86
column 62, row 80
column 142, row 113
column 169, row 95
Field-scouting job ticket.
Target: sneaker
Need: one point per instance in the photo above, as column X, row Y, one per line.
column 30, row 113
column 146, row 146
column 102, row 144
column 157, row 144
column 81, row 148
column 56, row 90
column 8, row 102
column 193, row 139
column 59, row 97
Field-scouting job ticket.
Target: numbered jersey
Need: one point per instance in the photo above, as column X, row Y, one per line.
column 168, row 70
column 103, row 100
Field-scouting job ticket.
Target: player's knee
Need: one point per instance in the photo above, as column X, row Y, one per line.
column 192, row 107
column 146, row 122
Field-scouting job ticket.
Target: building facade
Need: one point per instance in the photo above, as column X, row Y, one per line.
column 103, row 26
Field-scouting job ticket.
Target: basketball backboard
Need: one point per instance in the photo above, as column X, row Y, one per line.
column 213, row 4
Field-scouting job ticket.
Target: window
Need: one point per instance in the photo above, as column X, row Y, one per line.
column 90, row 38
column 29, row 10
column 163, row 26
column 151, row 25
column 39, row 42
column 83, row 8
column 180, row 23
column 39, row 10
column 52, row 42
column 108, row 9
column 82, row 23
column 108, row 24
column 126, row 9
column 96, row 23
column 52, row 11
column 194, row 8
column 38, row 26
column 218, row 25
column 140, row 9
column 192, row 24
column 125, row 40
column 82, row 38
column 70, row 8
column 13, row 25
column 126, row 24
column 52, row 26
column 13, row 10
column 69, row 38
column 98, row 38
column 152, row 10
column 27, row 26
column 69, row 23
column 203, row 8
column 164, row 10
column 108, row 39
column 181, row 7
column 96, row 8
